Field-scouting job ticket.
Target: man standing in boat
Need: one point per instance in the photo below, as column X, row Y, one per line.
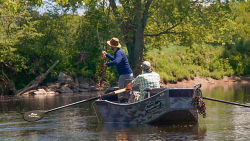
column 122, row 66
column 148, row 79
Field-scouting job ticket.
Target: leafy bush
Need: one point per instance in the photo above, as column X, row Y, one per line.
column 178, row 63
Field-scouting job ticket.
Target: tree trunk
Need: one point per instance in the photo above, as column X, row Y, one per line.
column 133, row 31
column 135, row 52
column 39, row 79
column 7, row 86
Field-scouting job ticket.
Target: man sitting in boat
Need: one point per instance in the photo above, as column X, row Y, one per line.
column 148, row 79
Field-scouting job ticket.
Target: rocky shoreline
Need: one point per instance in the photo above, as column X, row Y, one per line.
column 66, row 84
column 209, row 83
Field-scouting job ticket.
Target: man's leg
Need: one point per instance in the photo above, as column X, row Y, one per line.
column 123, row 97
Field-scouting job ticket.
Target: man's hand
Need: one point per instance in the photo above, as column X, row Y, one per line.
column 104, row 53
column 129, row 87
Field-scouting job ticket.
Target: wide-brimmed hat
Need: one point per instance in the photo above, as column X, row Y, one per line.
column 114, row 42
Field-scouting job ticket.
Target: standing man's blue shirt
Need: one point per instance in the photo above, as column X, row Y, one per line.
column 120, row 61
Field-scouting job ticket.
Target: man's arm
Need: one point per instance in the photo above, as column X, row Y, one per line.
column 104, row 53
column 129, row 87
column 133, row 83
column 116, row 60
column 110, row 57
column 136, row 81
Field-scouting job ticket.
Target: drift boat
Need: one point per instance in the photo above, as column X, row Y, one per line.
column 164, row 105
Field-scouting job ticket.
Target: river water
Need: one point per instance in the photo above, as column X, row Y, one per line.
column 223, row 121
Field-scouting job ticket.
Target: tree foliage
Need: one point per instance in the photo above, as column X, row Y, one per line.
column 30, row 41
column 17, row 30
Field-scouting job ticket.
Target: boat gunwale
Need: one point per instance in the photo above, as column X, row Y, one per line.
column 124, row 104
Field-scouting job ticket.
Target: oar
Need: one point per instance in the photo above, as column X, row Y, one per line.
column 35, row 115
column 228, row 102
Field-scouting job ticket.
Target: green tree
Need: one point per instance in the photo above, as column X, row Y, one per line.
column 15, row 26
column 138, row 19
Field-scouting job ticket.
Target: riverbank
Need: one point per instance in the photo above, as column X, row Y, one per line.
column 67, row 84
column 209, row 83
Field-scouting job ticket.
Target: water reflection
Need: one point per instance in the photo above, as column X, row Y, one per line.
column 150, row 132
column 223, row 122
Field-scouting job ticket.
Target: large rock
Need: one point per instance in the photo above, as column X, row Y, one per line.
column 53, row 85
column 84, row 86
column 83, row 80
column 83, row 90
column 65, row 89
column 43, row 92
column 64, row 78
column 93, row 88
column 40, row 92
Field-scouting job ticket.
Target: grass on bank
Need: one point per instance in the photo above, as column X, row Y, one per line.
column 175, row 63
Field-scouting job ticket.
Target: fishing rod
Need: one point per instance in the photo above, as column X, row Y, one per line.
column 98, row 37
column 102, row 66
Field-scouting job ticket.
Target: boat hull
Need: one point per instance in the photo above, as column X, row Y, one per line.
column 167, row 106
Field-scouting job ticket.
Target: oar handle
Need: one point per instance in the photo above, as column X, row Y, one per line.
column 228, row 102
column 120, row 91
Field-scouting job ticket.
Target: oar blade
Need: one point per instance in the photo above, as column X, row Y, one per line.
column 32, row 116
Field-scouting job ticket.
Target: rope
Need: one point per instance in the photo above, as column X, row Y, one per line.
column 102, row 70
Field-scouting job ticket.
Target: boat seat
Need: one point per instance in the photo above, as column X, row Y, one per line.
column 153, row 91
